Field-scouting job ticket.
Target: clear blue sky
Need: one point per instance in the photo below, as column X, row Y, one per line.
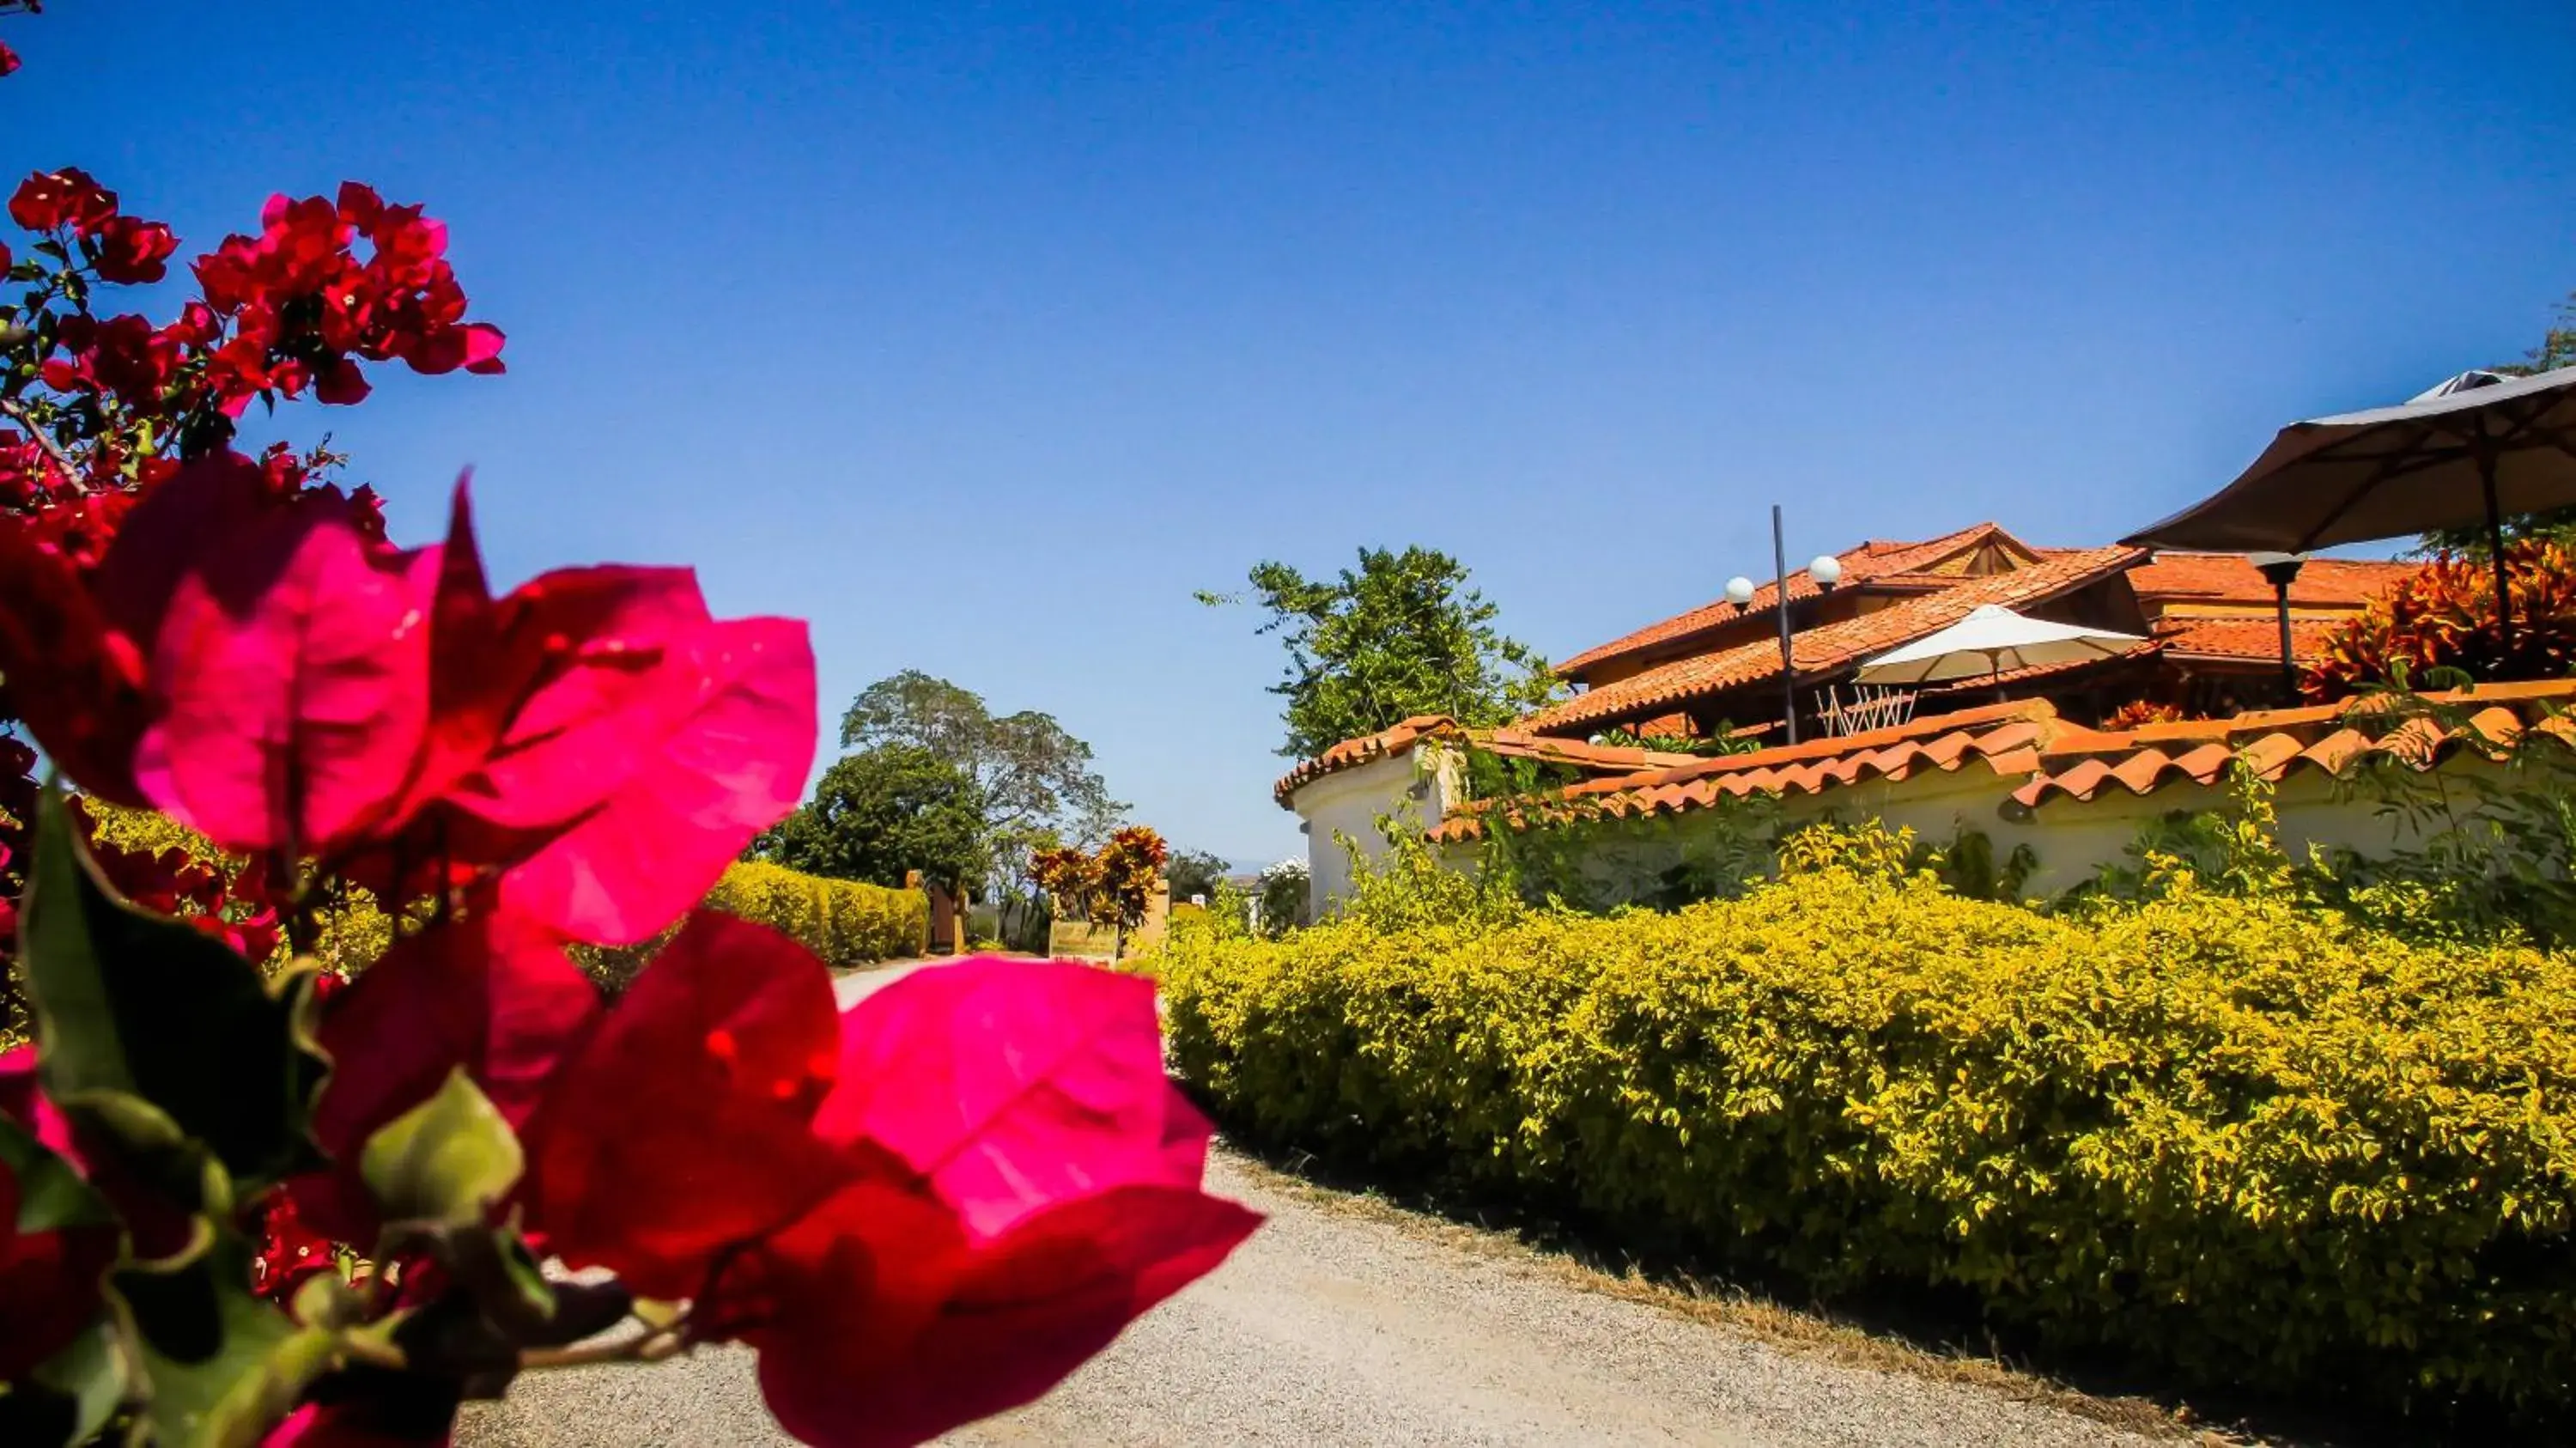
column 982, row 335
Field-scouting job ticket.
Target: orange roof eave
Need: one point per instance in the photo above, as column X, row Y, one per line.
column 2058, row 760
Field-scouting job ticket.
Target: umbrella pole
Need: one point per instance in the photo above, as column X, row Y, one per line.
column 2495, row 548
column 2289, row 662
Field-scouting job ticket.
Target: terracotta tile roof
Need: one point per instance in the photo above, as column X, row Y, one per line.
column 1510, row 743
column 1832, row 647
column 2085, row 764
column 1872, row 562
column 2026, row 740
column 2232, row 578
column 2258, row 640
column 2007, row 738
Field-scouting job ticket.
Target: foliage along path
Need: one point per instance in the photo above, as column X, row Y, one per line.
column 1340, row 1326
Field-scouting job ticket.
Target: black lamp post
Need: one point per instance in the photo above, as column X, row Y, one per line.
column 2281, row 570
column 1826, row 570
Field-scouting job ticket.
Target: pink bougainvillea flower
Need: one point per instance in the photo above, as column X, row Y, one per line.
column 133, row 251
column 1001, row 1137
column 49, row 1279
column 290, row 1252
column 714, row 1062
column 8, row 67
column 604, row 745
column 475, row 346
column 703, row 738
column 68, row 197
column 292, row 674
column 265, row 670
column 883, row 1324
column 934, row 1212
column 304, row 303
column 489, row 992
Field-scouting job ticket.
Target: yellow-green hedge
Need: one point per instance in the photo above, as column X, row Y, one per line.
column 843, row 921
column 2252, row 1144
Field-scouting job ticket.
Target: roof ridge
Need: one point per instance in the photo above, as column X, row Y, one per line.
column 1861, row 563
column 1827, row 648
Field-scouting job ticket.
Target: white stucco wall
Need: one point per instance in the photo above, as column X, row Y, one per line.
column 1417, row 785
column 2071, row 838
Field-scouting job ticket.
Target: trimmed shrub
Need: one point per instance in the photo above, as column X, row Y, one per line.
column 842, row 921
column 845, row 922
column 2255, row 1144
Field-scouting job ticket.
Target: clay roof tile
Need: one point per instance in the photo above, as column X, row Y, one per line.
column 1827, row 650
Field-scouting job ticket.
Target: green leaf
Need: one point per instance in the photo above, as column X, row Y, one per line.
column 157, row 1155
column 68, row 1398
column 220, row 1365
column 444, row 1161
column 51, row 1194
column 135, row 1004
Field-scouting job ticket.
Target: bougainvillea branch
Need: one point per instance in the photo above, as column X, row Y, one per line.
column 42, row 438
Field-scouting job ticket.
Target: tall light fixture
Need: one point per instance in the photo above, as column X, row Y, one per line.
column 1826, row 570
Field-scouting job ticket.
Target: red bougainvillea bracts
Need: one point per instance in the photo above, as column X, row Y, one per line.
column 925, row 1209
column 99, row 407
column 244, row 1201
column 594, row 742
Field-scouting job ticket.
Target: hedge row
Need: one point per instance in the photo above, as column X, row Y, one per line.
column 843, row 921
column 2253, row 1145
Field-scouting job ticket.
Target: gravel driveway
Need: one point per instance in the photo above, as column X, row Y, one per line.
column 1341, row 1326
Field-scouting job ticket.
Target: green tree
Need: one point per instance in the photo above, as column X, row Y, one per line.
column 882, row 812
column 1035, row 780
column 2557, row 349
column 1194, row 872
column 1402, row 635
column 1032, row 774
column 2557, row 345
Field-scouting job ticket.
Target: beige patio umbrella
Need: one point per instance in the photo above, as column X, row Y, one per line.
column 1993, row 640
column 2476, row 449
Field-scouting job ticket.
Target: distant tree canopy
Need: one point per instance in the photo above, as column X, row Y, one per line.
column 2557, row 349
column 1401, row 635
column 1033, row 783
column 1194, row 872
column 2557, row 346
column 883, row 812
column 1032, row 774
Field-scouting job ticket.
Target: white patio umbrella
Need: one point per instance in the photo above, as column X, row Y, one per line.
column 1993, row 640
